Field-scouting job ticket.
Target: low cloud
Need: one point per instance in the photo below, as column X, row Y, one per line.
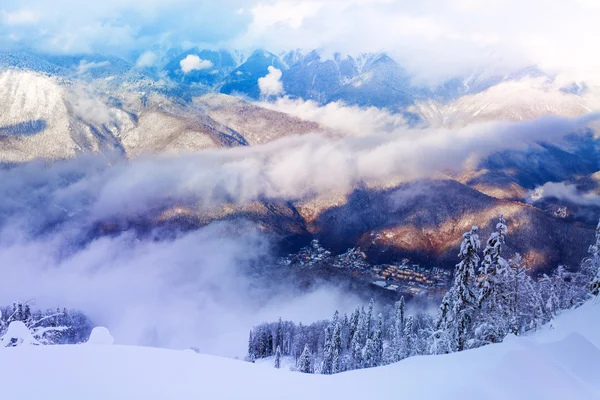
column 87, row 106
column 349, row 120
column 146, row 59
column 194, row 63
column 565, row 192
column 85, row 66
column 270, row 84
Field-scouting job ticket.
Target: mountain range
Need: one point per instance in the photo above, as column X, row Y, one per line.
column 56, row 107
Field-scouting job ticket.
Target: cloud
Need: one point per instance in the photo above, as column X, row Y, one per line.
column 193, row 63
column 437, row 40
column 270, row 84
column 433, row 39
column 87, row 105
column 348, row 120
column 85, row 66
column 565, row 192
column 19, row 17
column 146, row 59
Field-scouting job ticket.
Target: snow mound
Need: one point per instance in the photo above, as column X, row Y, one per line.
column 17, row 334
column 101, row 335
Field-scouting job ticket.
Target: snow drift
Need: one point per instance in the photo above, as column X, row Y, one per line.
column 561, row 361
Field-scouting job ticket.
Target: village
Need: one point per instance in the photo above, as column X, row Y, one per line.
column 405, row 277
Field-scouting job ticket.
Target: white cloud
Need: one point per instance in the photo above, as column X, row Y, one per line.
column 566, row 192
column 19, row 17
column 85, row 66
column 433, row 39
column 146, row 59
column 347, row 120
column 436, row 40
column 193, row 62
column 270, row 84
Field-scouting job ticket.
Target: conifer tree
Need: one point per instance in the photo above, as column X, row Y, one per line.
column 369, row 318
column 304, row 362
column 456, row 311
column 493, row 297
column 378, row 340
column 336, row 349
column 278, row 358
column 353, row 326
column 279, row 334
column 398, row 342
column 327, row 353
column 251, row 353
column 369, row 354
column 408, row 338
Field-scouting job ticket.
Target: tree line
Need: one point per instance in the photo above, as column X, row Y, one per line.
column 52, row 326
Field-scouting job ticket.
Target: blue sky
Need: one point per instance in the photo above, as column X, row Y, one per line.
column 433, row 39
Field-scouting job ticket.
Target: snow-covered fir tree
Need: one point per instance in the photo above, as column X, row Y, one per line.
column 327, row 366
column 493, row 289
column 526, row 305
column 304, row 362
column 457, row 309
column 278, row 358
column 336, row 349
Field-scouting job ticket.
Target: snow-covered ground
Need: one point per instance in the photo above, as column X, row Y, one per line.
column 561, row 361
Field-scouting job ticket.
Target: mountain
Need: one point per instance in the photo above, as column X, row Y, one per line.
column 57, row 107
column 513, row 100
column 518, row 369
column 370, row 79
column 54, row 117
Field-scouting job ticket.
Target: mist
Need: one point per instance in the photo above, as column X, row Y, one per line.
column 565, row 192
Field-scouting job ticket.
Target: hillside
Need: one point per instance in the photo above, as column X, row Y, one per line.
column 547, row 364
column 52, row 117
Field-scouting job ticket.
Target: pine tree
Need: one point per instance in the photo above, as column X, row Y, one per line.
column 327, row 353
column 409, row 338
column 398, row 330
column 549, row 297
column 456, row 311
column 304, row 362
column 369, row 318
column 378, row 340
column 336, row 349
column 369, row 354
column 279, row 334
column 493, row 299
column 353, row 327
column 251, row 351
column 278, row 358
column 526, row 305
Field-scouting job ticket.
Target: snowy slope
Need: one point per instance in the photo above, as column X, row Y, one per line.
column 562, row 362
column 524, row 99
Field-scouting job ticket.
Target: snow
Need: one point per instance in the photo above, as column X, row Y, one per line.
column 17, row 334
column 100, row 335
column 557, row 362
